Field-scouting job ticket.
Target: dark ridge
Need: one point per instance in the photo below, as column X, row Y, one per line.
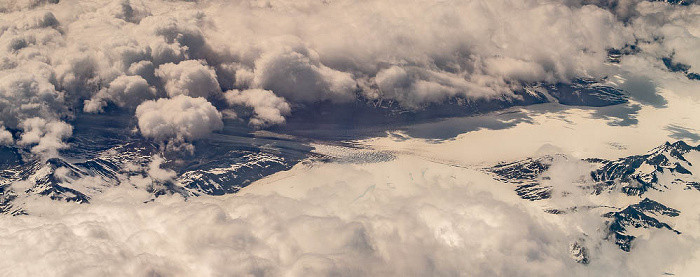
column 365, row 118
column 621, row 175
column 673, row 66
column 639, row 215
column 584, row 92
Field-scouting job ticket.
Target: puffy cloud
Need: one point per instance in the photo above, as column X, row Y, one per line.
column 413, row 87
column 268, row 109
column 157, row 173
column 622, row 8
column 77, row 73
column 298, row 76
column 669, row 32
column 46, row 136
column 26, row 95
column 130, row 11
column 191, row 78
column 179, row 118
column 453, row 48
column 5, row 136
column 125, row 91
column 176, row 36
column 37, row 20
column 303, row 51
column 18, row 5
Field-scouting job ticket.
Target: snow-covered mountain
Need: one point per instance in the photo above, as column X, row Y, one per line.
column 664, row 168
column 108, row 155
column 104, row 152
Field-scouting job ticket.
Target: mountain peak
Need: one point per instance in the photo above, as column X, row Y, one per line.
column 665, row 167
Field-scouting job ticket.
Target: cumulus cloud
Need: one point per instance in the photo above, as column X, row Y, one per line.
column 178, row 35
column 5, row 136
column 180, row 118
column 310, row 51
column 622, row 8
column 191, row 78
column 268, row 109
column 450, row 48
column 443, row 42
column 26, row 95
column 156, row 172
column 678, row 29
column 130, row 11
column 413, row 87
column 45, row 136
column 125, row 91
column 299, row 76
column 18, row 5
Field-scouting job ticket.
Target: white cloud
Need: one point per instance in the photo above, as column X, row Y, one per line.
column 192, row 78
column 128, row 10
column 465, row 42
column 5, row 136
column 46, row 136
column 157, row 173
column 298, row 75
column 312, row 51
column 406, row 217
column 28, row 94
column 413, row 87
column 176, row 36
column 678, row 28
column 268, row 109
column 179, row 118
column 125, row 91
column 18, row 5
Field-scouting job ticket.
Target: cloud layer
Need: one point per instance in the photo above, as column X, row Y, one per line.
column 404, row 217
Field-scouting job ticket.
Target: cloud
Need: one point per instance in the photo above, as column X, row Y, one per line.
column 130, row 11
column 670, row 32
column 25, row 95
column 268, row 109
column 304, row 52
column 125, row 91
column 30, row 102
column 299, row 76
column 623, row 8
column 176, row 36
column 400, row 218
column 405, row 217
column 5, row 136
column 481, row 57
column 413, row 87
column 46, row 136
column 191, row 78
column 18, row 5
column 181, row 118
column 157, row 173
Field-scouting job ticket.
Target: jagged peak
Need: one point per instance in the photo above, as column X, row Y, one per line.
column 56, row 162
column 676, row 148
column 653, row 206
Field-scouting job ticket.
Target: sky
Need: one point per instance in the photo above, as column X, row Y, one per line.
column 409, row 201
